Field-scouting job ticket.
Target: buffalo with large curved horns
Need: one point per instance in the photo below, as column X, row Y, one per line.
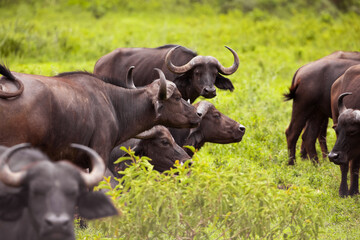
column 38, row 197
column 80, row 107
column 194, row 75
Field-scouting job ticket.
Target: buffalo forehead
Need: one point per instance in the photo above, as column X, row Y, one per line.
column 349, row 117
column 53, row 174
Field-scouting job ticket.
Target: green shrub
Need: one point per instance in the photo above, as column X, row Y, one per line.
column 203, row 202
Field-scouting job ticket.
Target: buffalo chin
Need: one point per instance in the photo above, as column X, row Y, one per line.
column 57, row 235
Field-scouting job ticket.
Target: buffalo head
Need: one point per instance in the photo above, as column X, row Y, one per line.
column 217, row 127
column 156, row 143
column 170, row 108
column 202, row 72
column 47, row 193
column 348, row 134
column 159, row 145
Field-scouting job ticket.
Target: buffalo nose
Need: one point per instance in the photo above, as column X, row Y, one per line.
column 333, row 156
column 210, row 91
column 199, row 114
column 242, row 128
column 54, row 220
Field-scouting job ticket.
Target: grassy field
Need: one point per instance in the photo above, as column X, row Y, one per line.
column 232, row 190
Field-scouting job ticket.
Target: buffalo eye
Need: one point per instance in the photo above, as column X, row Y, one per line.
column 177, row 98
column 352, row 132
column 217, row 115
column 197, row 73
column 165, row 142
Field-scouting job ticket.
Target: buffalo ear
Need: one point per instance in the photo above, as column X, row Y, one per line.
column 182, row 81
column 223, row 83
column 94, row 205
column 11, row 206
column 158, row 105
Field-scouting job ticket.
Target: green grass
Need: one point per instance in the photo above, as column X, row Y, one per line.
column 232, row 189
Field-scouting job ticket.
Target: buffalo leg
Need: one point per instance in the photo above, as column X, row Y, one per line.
column 354, row 178
column 303, row 152
column 297, row 123
column 312, row 131
column 322, row 138
column 343, row 190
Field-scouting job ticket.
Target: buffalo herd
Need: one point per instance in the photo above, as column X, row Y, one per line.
column 318, row 91
column 60, row 135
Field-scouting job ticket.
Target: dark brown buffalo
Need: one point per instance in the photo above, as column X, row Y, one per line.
column 346, row 117
column 194, row 75
column 78, row 107
column 157, row 144
column 310, row 92
column 38, row 197
column 214, row 127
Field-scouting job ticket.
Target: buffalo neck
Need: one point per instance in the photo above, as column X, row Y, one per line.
column 133, row 110
column 195, row 139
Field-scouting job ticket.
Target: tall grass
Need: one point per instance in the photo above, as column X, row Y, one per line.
column 244, row 190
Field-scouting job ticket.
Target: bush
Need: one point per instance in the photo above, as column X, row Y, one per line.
column 207, row 203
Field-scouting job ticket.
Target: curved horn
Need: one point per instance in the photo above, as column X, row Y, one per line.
column 162, row 89
column 8, row 177
column 341, row 105
column 177, row 69
column 202, row 108
column 98, row 166
column 148, row 134
column 233, row 68
column 16, row 93
column 130, row 78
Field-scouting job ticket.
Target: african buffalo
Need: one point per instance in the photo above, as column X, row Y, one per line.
column 194, row 75
column 38, row 197
column 346, row 151
column 52, row 112
column 310, row 92
column 157, row 144
column 214, row 127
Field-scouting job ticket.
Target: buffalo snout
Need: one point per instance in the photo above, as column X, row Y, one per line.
column 242, row 128
column 57, row 226
column 54, row 220
column 209, row 92
column 239, row 133
column 336, row 158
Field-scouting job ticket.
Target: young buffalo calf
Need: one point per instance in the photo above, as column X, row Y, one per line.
column 38, row 197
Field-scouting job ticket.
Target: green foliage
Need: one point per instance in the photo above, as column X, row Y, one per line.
column 244, row 190
column 204, row 202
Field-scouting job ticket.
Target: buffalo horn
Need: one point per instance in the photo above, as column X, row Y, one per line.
column 13, row 94
column 148, row 133
column 178, row 69
column 233, row 68
column 130, row 78
column 98, row 166
column 202, row 108
column 341, row 105
column 162, row 90
column 7, row 176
